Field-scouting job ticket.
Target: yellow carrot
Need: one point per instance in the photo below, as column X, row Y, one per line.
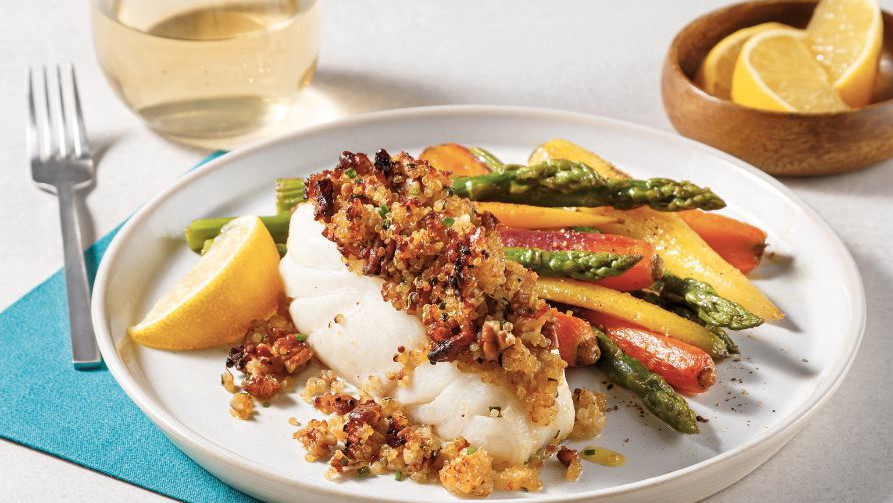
column 684, row 253
column 523, row 216
column 626, row 307
column 563, row 149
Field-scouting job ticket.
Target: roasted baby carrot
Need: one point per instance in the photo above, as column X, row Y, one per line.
column 685, row 367
column 454, row 158
column 576, row 342
column 739, row 243
column 640, row 276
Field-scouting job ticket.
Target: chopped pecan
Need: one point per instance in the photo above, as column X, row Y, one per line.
column 331, row 403
column 272, row 351
column 571, row 461
column 495, row 340
column 262, row 387
column 323, row 193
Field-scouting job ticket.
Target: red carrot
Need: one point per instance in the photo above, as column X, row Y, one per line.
column 640, row 276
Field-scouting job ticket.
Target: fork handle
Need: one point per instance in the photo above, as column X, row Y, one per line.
column 84, row 351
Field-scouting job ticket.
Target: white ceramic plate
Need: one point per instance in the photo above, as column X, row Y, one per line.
column 787, row 370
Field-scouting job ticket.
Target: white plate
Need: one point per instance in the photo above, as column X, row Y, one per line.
column 758, row 404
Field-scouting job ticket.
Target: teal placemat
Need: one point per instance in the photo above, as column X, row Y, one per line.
column 85, row 417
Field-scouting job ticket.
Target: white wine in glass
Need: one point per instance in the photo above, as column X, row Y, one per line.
column 204, row 69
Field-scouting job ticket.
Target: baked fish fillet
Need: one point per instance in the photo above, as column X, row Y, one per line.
column 356, row 333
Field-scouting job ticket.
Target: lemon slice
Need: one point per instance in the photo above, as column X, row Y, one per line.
column 236, row 282
column 715, row 74
column 846, row 38
column 776, row 71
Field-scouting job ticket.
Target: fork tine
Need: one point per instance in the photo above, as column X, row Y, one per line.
column 81, row 146
column 34, row 150
column 49, row 142
column 63, row 117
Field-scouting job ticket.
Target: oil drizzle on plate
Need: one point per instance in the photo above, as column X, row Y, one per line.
column 604, row 457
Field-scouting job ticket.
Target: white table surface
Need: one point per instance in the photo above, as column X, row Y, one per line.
column 591, row 56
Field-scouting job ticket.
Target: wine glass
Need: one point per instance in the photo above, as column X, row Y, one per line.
column 196, row 70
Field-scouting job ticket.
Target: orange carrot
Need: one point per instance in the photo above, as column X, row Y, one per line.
column 576, row 342
column 454, row 158
column 740, row 244
column 640, row 276
column 685, row 367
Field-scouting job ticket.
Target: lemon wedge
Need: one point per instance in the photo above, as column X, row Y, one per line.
column 236, row 282
column 715, row 74
column 846, row 37
column 776, row 71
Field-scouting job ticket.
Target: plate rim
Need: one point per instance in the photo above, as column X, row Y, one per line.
column 180, row 433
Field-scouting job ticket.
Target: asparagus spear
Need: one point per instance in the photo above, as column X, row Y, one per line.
column 689, row 314
column 566, row 183
column 487, row 158
column 577, row 264
column 203, row 229
column 730, row 344
column 584, row 228
column 709, row 305
column 206, row 246
column 658, row 396
column 289, row 192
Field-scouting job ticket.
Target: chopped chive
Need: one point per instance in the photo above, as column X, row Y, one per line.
column 385, row 224
column 471, row 450
column 589, row 452
column 301, row 337
column 265, row 404
column 364, row 471
column 383, row 210
column 448, row 221
column 398, row 476
column 352, row 173
column 585, row 228
column 344, row 461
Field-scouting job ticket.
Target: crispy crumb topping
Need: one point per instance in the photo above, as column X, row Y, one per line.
column 442, row 259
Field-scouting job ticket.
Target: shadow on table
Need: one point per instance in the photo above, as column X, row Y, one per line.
column 357, row 92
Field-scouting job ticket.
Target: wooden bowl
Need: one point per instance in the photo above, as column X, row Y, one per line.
column 780, row 143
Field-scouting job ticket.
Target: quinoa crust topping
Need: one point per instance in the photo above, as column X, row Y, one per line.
column 442, row 259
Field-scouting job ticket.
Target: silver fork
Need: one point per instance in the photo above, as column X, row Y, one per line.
column 61, row 165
